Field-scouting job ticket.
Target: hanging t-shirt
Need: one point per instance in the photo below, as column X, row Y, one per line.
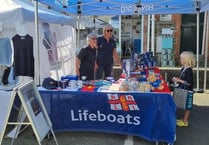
column 23, row 55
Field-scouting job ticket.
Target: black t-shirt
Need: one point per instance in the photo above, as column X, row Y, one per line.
column 105, row 50
column 87, row 57
column 23, row 55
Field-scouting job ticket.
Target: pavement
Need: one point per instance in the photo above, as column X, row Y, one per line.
column 196, row 134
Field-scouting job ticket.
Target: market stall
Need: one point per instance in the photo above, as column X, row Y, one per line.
column 137, row 104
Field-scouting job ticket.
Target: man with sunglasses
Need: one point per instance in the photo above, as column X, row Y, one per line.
column 106, row 53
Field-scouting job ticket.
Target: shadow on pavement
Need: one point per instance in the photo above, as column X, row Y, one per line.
column 198, row 130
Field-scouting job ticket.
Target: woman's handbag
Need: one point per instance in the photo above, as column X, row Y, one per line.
column 183, row 98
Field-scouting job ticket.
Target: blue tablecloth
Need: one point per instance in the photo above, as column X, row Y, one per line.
column 151, row 116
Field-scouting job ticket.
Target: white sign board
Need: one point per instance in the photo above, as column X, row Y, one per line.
column 33, row 107
column 35, row 110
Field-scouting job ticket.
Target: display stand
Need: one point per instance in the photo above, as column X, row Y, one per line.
column 21, row 114
column 33, row 107
column 17, row 129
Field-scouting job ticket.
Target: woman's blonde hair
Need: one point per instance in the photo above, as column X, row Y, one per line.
column 189, row 58
column 106, row 27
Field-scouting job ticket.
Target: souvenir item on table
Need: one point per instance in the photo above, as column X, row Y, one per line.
column 102, row 85
column 137, row 66
column 99, row 83
column 72, row 84
column 103, row 89
column 144, row 87
column 124, row 86
column 129, row 65
column 139, row 75
column 88, row 88
column 133, row 84
column 69, row 77
column 50, row 83
column 111, row 79
column 114, row 87
column 155, row 82
column 123, row 75
column 146, row 61
column 141, row 87
column 63, row 83
column 79, row 84
column 147, row 87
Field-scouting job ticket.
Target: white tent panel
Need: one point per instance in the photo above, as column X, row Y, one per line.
column 22, row 11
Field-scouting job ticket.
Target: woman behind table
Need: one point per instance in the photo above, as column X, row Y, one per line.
column 85, row 60
column 106, row 53
column 185, row 80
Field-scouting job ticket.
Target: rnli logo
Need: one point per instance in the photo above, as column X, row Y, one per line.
column 122, row 102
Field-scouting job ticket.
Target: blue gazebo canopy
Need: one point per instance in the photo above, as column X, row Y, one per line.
column 126, row 7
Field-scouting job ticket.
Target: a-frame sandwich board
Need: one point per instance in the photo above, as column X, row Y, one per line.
column 35, row 111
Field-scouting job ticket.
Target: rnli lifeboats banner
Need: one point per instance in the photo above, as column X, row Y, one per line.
column 147, row 115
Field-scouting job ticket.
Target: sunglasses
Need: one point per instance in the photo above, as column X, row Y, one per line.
column 94, row 38
column 109, row 30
